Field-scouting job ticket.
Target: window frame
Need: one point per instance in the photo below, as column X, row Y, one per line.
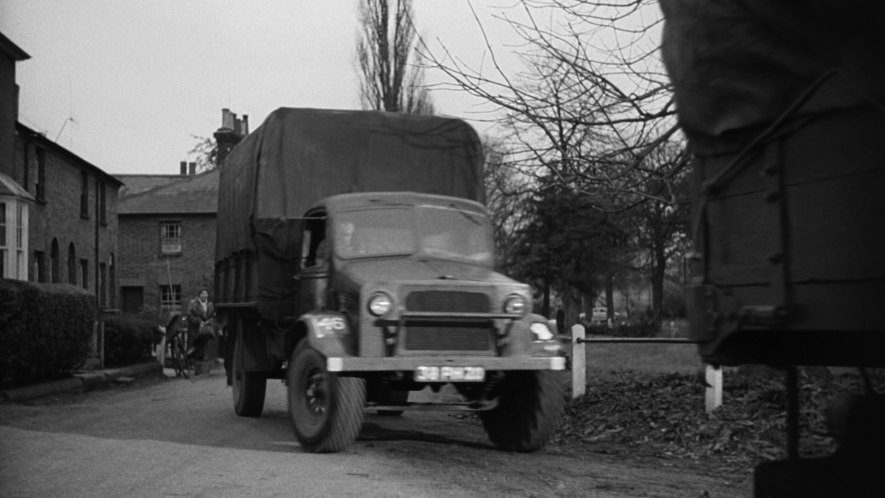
column 169, row 297
column 170, row 248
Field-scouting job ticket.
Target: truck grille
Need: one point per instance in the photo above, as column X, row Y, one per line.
column 448, row 301
column 424, row 336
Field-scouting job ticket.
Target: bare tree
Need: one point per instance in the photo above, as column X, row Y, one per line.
column 206, row 152
column 591, row 108
column 385, row 47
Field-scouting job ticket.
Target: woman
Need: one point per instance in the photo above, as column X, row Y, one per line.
column 201, row 327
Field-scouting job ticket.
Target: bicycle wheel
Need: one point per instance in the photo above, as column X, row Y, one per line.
column 181, row 363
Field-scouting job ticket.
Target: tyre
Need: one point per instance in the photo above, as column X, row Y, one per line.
column 249, row 388
column 181, row 363
column 530, row 408
column 326, row 410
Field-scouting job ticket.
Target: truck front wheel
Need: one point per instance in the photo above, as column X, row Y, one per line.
column 326, row 410
column 530, row 408
column 249, row 388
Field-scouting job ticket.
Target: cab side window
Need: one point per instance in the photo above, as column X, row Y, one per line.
column 315, row 248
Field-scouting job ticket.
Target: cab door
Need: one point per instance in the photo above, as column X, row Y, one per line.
column 313, row 277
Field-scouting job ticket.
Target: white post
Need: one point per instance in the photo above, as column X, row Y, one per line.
column 579, row 361
column 713, row 395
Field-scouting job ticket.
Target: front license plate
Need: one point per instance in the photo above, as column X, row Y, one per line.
column 450, row 374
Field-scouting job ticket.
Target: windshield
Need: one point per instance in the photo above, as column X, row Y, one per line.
column 437, row 231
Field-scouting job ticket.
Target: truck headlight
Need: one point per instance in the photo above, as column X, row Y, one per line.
column 515, row 304
column 380, row 303
column 542, row 331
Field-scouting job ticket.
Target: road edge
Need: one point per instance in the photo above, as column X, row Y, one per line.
column 81, row 381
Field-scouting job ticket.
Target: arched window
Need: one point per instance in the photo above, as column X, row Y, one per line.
column 72, row 264
column 55, row 275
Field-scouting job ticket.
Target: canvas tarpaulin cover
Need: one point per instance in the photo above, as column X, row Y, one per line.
column 737, row 65
column 299, row 156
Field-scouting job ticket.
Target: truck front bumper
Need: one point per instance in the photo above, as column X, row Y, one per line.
column 391, row 364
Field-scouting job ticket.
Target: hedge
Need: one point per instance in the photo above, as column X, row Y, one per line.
column 129, row 339
column 45, row 330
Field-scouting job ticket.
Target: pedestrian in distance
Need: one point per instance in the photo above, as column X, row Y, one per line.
column 201, row 327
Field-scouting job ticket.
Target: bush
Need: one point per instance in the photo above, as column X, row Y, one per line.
column 129, row 339
column 45, row 330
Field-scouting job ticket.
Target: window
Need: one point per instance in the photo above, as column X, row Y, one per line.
column 20, row 226
column 40, row 184
column 84, row 272
column 170, row 237
column 314, row 251
column 84, row 195
column 170, row 298
column 102, row 204
column 21, row 268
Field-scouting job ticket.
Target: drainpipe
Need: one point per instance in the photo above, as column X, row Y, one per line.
column 97, row 272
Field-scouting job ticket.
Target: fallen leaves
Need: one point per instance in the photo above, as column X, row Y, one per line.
column 641, row 414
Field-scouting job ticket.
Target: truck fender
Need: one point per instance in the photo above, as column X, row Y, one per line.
column 329, row 333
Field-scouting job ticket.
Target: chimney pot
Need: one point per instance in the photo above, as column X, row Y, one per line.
column 227, row 119
column 183, row 165
column 193, row 168
column 245, row 124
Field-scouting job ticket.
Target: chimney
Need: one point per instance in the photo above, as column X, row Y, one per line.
column 229, row 135
column 193, row 169
column 183, row 165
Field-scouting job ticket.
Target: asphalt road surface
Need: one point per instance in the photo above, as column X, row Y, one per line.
column 181, row 438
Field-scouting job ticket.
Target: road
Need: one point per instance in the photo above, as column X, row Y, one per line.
column 181, row 438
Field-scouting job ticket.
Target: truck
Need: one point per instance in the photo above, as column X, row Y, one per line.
column 783, row 110
column 355, row 261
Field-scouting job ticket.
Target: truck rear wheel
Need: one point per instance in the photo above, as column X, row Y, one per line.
column 249, row 388
column 529, row 411
column 326, row 410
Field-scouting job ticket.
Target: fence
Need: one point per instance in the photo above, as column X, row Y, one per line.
column 579, row 341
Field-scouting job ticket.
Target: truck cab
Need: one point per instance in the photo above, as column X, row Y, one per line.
column 397, row 293
column 411, row 276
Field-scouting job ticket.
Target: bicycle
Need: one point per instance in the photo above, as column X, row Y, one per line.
column 176, row 342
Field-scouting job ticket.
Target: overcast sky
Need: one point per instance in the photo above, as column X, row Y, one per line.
column 125, row 84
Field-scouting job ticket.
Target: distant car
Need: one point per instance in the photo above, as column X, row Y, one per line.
column 599, row 316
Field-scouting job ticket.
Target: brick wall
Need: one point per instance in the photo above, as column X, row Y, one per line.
column 146, row 266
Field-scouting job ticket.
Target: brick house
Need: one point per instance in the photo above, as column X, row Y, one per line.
column 73, row 224
column 167, row 231
column 69, row 231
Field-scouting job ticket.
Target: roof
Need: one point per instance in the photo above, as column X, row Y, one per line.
column 8, row 186
column 11, row 49
column 48, row 144
column 196, row 194
column 136, row 184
